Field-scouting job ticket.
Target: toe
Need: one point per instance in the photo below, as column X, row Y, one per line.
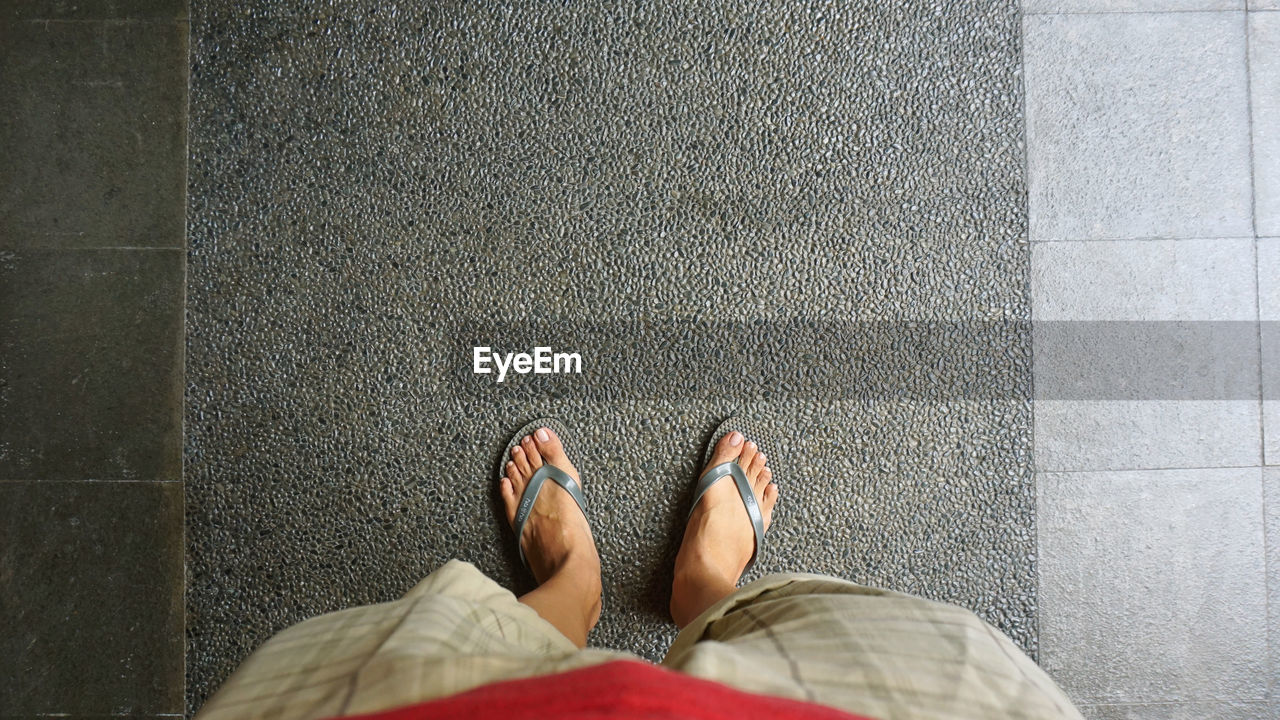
column 549, row 447
column 753, row 470
column 762, row 481
column 763, row 477
column 531, row 451
column 748, row 456
column 521, row 460
column 729, row 447
column 509, row 498
column 770, row 500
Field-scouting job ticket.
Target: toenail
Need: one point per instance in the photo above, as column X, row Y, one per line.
column 735, row 438
column 542, row 435
column 751, row 446
column 762, row 457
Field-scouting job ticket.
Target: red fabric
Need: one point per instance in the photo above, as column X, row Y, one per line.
column 621, row 690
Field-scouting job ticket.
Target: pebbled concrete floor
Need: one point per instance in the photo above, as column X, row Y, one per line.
column 809, row 213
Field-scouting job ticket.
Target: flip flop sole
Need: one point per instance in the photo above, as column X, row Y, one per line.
column 751, row 430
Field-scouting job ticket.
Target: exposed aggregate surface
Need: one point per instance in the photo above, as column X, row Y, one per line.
column 809, row 213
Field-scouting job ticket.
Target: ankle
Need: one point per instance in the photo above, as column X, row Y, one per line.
column 700, row 564
column 701, row 581
column 696, row 588
column 581, row 570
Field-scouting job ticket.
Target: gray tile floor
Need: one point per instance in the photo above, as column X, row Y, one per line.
column 1153, row 142
column 92, row 238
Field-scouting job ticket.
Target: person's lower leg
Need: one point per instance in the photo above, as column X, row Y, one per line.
column 695, row 589
column 569, row 599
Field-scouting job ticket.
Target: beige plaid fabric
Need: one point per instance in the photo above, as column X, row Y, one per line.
column 807, row 637
column 871, row 652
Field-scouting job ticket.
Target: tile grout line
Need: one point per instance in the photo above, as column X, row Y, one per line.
column 1257, row 308
column 119, row 248
column 1267, row 570
column 1253, row 219
column 1149, row 11
column 1164, row 703
column 1267, row 540
column 1029, row 289
column 1149, row 469
column 93, row 481
column 1253, row 162
column 104, row 20
column 1189, row 238
column 182, row 353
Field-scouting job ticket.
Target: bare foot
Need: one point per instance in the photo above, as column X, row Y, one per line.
column 557, row 540
column 719, row 540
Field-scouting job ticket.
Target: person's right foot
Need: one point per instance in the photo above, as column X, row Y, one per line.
column 556, row 533
column 557, row 539
column 719, row 540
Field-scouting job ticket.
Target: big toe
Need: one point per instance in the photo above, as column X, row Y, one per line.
column 550, row 447
column 728, row 448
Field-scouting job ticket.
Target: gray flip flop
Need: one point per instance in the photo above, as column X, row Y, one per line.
column 560, row 477
column 751, row 431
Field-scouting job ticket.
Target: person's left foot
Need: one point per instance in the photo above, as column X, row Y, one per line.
column 556, row 537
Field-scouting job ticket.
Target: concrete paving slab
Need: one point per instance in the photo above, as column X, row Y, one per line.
column 1269, row 317
column 97, row 10
column 1152, row 585
column 1145, row 281
column 92, row 378
column 1179, row 711
column 1104, row 6
column 1137, row 126
column 92, row 625
column 1264, row 85
column 1145, row 434
column 1146, row 354
column 95, row 131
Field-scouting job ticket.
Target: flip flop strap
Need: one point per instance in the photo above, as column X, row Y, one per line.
column 714, row 474
column 530, row 496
